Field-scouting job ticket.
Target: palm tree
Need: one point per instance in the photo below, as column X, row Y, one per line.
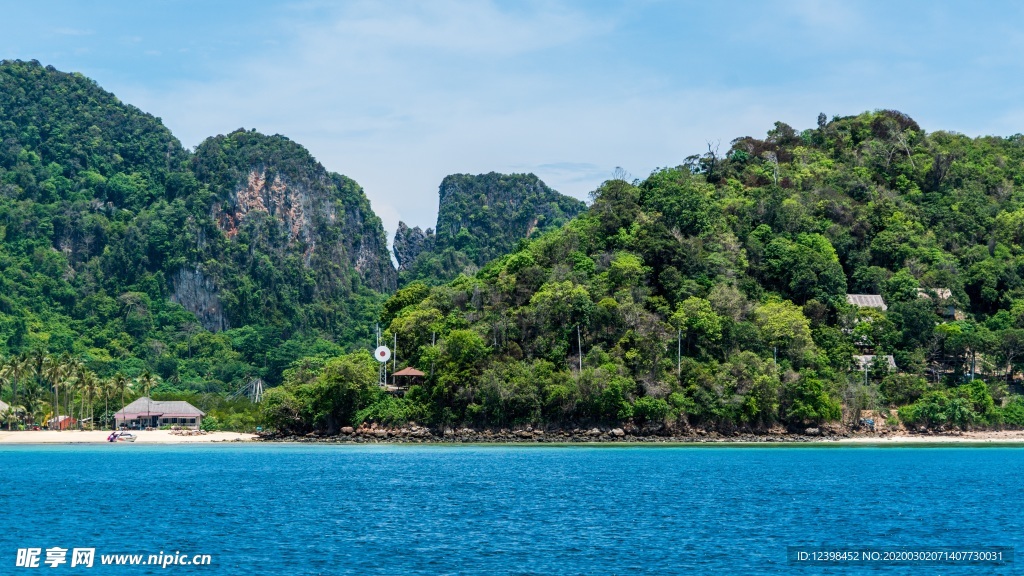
column 10, row 416
column 91, row 387
column 106, row 388
column 79, row 384
column 55, row 373
column 41, row 367
column 5, row 380
column 33, row 400
column 120, row 384
column 146, row 380
column 73, row 372
column 17, row 369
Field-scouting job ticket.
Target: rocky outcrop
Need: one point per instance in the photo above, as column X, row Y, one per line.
column 295, row 207
column 496, row 210
column 197, row 294
column 363, row 238
column 413, row 434
column 410, row 243
column 289, row 205
column 480, row 218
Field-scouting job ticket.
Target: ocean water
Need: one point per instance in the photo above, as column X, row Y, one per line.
column 296, row 509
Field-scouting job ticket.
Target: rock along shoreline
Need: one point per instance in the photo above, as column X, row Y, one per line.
column 423, row 435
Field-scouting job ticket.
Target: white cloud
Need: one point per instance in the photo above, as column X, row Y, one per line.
column 73, row 32
column 399, row 95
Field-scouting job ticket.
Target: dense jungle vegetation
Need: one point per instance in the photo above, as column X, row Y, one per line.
column 101, row 211
column 479, row 218
column 713, row 294
column 710, row 294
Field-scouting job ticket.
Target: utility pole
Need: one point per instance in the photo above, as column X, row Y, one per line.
column 679, row 354
column 579, row 346
column 433, row 342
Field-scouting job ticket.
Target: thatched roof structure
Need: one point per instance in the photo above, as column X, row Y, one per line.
column 410, row 371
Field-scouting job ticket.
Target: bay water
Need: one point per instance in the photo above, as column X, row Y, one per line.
column 321, row 509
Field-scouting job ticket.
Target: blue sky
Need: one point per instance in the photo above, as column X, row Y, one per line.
column 399, row 94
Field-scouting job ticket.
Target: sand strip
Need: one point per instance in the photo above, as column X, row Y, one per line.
column 100, row 437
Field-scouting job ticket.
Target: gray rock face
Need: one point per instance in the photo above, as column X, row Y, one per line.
column 410, row 243
column 197, row 294
column 271, row 194
column 480, row 217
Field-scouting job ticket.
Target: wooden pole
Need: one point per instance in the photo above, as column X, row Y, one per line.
column 679, row 354
column 579, row 346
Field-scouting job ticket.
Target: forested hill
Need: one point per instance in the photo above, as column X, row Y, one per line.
column 112, row 235
column 479, row 219
column 743, row 262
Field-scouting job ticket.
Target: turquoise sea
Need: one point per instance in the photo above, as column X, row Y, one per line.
column 297, row 509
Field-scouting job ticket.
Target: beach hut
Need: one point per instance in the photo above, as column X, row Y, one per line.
column 61, row 423
column 409, row 376
column 147, row 413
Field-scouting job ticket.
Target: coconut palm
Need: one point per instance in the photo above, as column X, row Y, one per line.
column 90, row 388
column 78, row 383
column 120, row 385
column 9, row 416
column 146, row 381
column 39, row 367
column 34, row 401
column 72, row 373
column 107, row 387
column 5, row 381
column 54, row 373
column 12, row 372
column 17, row 369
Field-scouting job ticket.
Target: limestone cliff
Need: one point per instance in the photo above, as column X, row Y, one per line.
column 410, row 243
column 480, row 218
column 196, row 293
column 292, row 234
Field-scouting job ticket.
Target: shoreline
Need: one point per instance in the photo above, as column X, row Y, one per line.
column 100, row 437
column 524, row 438
column 423, row 436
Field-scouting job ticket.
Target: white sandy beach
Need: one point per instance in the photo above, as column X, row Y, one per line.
column 990, row 437
column 100, row 437
column 165, row 437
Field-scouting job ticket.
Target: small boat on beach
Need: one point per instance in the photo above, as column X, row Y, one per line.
column 122, row 437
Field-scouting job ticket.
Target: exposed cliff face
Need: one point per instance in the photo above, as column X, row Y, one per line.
column 288, row 205
column 296, row 244
column 197, row 294
column 498, row 210
column 410, row 243
column 480, row 218
column 312, row 209
column 362, row 236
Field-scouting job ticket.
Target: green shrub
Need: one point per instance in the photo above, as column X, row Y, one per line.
column 900, row 389
column 647, row 409
column 964, row 406
column 1013, row 413
column 806, row 400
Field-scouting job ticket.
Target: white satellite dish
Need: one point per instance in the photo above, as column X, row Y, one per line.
column 382, row 354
